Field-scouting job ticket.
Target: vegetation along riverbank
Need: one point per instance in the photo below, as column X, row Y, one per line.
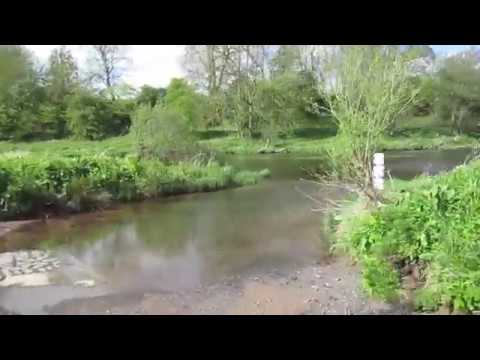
column 422, row 245
column 35, row 184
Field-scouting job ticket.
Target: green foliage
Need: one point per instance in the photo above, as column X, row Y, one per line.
column 32, row 184
column 93, row 117
column 369, row 93
column 434, row 224
column 162, row 133
column 150, row 95
column 182, row 98
column 457, row 89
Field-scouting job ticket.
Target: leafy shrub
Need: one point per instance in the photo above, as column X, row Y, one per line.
column 93, row 117
column 162, row 133
column 434, row 224
column 32, row 184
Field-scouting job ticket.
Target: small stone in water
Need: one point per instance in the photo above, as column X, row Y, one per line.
column 85, row 283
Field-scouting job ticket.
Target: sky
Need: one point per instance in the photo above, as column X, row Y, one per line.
column 156, row 65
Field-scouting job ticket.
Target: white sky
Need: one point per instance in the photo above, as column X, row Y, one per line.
column 154, row 65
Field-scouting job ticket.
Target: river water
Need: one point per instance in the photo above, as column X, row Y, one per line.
column 185, row 241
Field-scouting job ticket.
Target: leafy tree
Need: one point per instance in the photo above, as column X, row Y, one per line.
column 457, row 89
column 93, row 117
column 182, row 98
column 150, row 95
column 368, row 90
column 21, row 94
column 61, row 80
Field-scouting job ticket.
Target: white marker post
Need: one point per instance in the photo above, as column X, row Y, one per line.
column 378, row 175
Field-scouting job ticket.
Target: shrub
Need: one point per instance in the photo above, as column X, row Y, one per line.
column 162, row 133
column 435, row 225
column 32, row 184
column 93, row 117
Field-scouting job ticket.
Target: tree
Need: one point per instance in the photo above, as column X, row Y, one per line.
column 286, row 60
column 182, row 98
column 62, row 75
column 368, row 89
column 150, row 95
column 107, row 64
column 92, row 117
column 16, row 63
column 457, row 89
column 21, row 94
column 61, row 80
column 209, row 66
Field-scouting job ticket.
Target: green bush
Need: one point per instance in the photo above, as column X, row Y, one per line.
column 93, row 117
column 181, row 98
column 434, row 224
column 32, row 184
column 161, row 133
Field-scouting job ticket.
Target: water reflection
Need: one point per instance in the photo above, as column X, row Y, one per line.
column 185, row 241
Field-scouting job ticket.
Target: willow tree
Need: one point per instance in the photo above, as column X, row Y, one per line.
column 367, row 89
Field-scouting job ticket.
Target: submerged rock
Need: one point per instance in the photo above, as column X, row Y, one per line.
column 85, row 283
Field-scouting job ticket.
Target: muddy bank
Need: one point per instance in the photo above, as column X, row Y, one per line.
column 20, row 225
column 317, row 289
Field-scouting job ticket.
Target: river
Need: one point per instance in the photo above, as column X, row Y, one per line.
column 180, row 243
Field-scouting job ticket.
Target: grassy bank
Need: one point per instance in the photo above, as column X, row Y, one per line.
column 301, row 144
column 424, row 242
column 36, row 183
column 419, row 133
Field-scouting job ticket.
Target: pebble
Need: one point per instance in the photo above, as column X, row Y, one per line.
column 293, row 277
column 315, row 287
column 85, row 283
column 318, row 276
column 339, row 279
column 327, row 285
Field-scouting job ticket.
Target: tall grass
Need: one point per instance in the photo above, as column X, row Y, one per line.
column 31, row 184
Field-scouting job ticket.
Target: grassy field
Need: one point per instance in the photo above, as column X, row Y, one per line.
column 419, row 133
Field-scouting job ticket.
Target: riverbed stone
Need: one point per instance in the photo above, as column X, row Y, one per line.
column 6, row 259
column 85, row 283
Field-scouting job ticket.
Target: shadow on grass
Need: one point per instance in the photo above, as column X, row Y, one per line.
column 315, row 133
column 213, row 134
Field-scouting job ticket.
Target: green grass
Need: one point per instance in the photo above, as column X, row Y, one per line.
column 431, row 223
column 117, row 146
column 419, row 133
